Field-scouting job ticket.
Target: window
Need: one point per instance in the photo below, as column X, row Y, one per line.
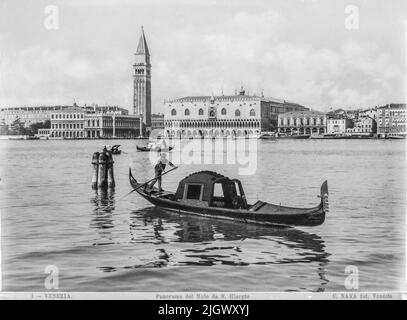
column 173, row 112
column 201, row 112
column 212, row 113
column 194, row 191
column 186, row 112
column 223, row 112
column 237, row 113
column 218, row 190
column 252, row 113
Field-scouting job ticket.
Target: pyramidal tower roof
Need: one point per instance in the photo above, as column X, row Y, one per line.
column 142, row 47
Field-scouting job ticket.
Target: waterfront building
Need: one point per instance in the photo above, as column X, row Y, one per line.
column 142, row 83
column 391, row 120
column 157, row 121
column 36, row 114
column 239, row 115
column 99, row 125
column 43, row 133
column 77, row 123
column 28, row 115
column 371, row 113
column 363, row 125
column 302, row 122
column 338, row 125
column 68, row 123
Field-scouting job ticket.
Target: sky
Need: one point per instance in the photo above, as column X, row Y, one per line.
column 310, row 52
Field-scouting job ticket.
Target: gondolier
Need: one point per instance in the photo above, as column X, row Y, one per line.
column 159, row 167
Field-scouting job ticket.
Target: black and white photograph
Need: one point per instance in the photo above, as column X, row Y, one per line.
column 186, row 150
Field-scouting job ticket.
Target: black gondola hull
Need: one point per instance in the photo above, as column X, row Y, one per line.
column 278, row 215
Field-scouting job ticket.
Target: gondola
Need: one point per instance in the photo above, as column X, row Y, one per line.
column 268, row 136
column 146, row 149
column 115, row 149
column 213, row 195
column 297, row 136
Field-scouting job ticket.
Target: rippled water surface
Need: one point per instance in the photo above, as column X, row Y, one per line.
column 100, row 241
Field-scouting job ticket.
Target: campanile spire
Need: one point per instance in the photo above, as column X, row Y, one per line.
column 142, row 83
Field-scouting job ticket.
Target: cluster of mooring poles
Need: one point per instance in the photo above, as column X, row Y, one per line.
column 102, row 164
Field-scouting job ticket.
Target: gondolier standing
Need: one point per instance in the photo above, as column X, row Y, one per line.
column 159, row 167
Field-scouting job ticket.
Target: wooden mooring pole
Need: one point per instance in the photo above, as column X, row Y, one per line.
column 110, row 173
column 95, row 168
column 102, row 169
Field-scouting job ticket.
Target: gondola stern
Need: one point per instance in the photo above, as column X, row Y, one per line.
column 324, row 196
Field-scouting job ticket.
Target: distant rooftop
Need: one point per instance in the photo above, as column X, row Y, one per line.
column 393, row 106
column 236, row 97
column 303, row 113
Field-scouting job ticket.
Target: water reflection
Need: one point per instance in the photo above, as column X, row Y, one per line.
column 222, row 242
column 102, row 217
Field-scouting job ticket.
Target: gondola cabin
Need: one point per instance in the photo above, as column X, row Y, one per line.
column 211, row 189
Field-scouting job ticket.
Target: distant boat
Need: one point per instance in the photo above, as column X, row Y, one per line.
column 396, row 136
column 267, row 136
column 195, row 196
column 146, row 149
column 115, row 149
column 297, row 136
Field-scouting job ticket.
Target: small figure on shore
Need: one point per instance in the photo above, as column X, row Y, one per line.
column 159, row 167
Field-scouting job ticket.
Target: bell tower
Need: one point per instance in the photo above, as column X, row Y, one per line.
column 142, row 83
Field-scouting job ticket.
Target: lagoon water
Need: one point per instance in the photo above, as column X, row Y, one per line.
column 100, row 241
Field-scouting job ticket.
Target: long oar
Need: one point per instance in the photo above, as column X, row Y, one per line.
column 155, row 178
column 108, row 207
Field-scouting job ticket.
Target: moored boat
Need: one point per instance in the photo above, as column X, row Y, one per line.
column 213, row 195
column 396, row 136
column 115, row 149
column 294, row 136
column 147, row 149
column 267, row 136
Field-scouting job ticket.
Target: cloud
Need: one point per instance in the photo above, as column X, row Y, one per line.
column 49, row 76
column 250, row 47
column 292, row 51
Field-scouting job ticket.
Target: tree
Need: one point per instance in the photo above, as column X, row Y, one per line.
column 33, row 128
column 17, row 127
column 3, row 128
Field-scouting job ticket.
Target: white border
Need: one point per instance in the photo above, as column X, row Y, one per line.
column 213, row 296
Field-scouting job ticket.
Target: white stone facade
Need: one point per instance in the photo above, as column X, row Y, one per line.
column 238, row 115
